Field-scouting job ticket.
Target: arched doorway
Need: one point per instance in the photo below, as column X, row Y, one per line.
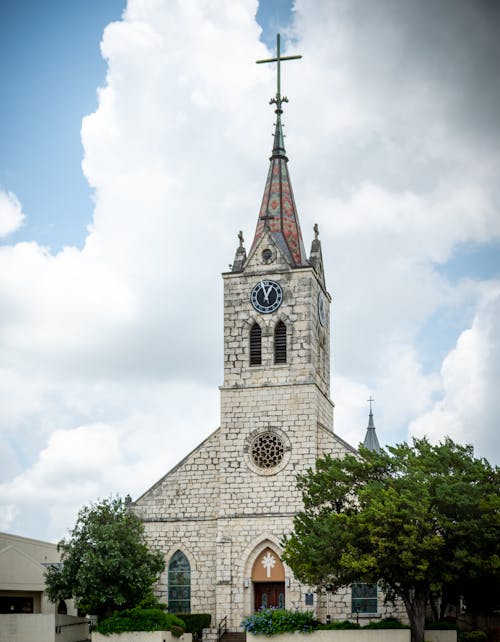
column 268, row 579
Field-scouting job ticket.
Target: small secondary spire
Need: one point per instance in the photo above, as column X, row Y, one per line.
column 371, row 441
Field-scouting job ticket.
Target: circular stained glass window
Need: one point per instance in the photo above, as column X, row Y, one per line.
column 267, row 450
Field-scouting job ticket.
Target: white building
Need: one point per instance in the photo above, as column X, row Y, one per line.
column 23, row 563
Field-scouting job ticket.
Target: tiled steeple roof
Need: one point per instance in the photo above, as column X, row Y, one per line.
column 371, row 441
column 278, row 212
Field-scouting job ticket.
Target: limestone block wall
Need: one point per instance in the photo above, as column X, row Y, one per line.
column 308, row 343
column 289, row 411
column 197, row 540
column 179, row 513
column 339, row 606
column 188, row 491
column 246, row 537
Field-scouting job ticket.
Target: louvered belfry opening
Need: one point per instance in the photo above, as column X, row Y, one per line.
column 280, row 343
column 255, row 345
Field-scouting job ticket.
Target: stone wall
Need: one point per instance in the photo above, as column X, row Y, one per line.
column 308, row 342
column 223, row 505
column 367, row 635
column 141, row 636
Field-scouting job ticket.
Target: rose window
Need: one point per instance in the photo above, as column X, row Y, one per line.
column 267, row 450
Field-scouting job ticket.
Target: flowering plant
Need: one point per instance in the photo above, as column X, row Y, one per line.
column 272, row 621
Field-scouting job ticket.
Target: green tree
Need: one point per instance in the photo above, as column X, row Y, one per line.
column 421, row 519
column 106, row 563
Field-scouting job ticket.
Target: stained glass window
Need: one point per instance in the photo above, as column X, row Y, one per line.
column 179, row 584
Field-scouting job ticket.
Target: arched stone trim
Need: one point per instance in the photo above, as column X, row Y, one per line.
column 281, row 316
column 62, row 608
column 162, row 585
column 180, row 546
column 285, row 319
column 179, row 583
column 258, row 441
column 251, row 319
column 256, row 547
column 267, row 322
column 251, row 554
column 268, row 567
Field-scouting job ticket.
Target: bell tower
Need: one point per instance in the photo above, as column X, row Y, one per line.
column 276, row 411
column 275, row 398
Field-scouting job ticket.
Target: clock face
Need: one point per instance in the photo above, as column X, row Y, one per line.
column 266, row 296
column 322, row 308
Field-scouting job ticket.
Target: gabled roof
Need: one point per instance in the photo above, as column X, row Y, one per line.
column 20, row 571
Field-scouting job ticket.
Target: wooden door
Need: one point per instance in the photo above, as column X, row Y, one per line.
column 269, row 595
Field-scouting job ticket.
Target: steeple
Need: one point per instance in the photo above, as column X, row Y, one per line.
column 371, row 441
column 278, row 213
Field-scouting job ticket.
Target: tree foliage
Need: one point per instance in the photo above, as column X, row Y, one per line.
column 106, row 563
column 421, row 519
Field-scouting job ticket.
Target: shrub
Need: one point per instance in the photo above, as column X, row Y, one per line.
column 176, row 631
column 473, row 636
column 152, row 602
column 272, row 621
column 442, row 625
column 343, row 624
column 386, row 623
column 139, row 619
column 195, row 623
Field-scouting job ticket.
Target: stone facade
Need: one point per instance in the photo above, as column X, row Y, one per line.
column 227, row 505
column 218, row 506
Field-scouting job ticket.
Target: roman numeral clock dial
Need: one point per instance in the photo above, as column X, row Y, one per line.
column 266, row 296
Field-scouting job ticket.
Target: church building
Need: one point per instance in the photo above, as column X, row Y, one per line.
column 220, row 514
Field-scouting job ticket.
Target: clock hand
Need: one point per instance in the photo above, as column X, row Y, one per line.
column 266, row 293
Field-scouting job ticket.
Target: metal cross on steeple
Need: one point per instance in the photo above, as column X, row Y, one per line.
column 371, row 400
column 278, row 100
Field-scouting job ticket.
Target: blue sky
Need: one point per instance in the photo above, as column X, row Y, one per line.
column 50, row 66
column 135, row 146
column 50, row 58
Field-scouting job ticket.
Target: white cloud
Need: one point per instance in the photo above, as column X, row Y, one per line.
column 126, row 454
column 111, row 355
column 11, row 214
column 8, row 514
column 469, row 408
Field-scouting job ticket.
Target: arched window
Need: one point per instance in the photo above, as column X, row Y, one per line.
column 255, row 345
column 179, row 584
column 62, row 609
column 280, row 343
